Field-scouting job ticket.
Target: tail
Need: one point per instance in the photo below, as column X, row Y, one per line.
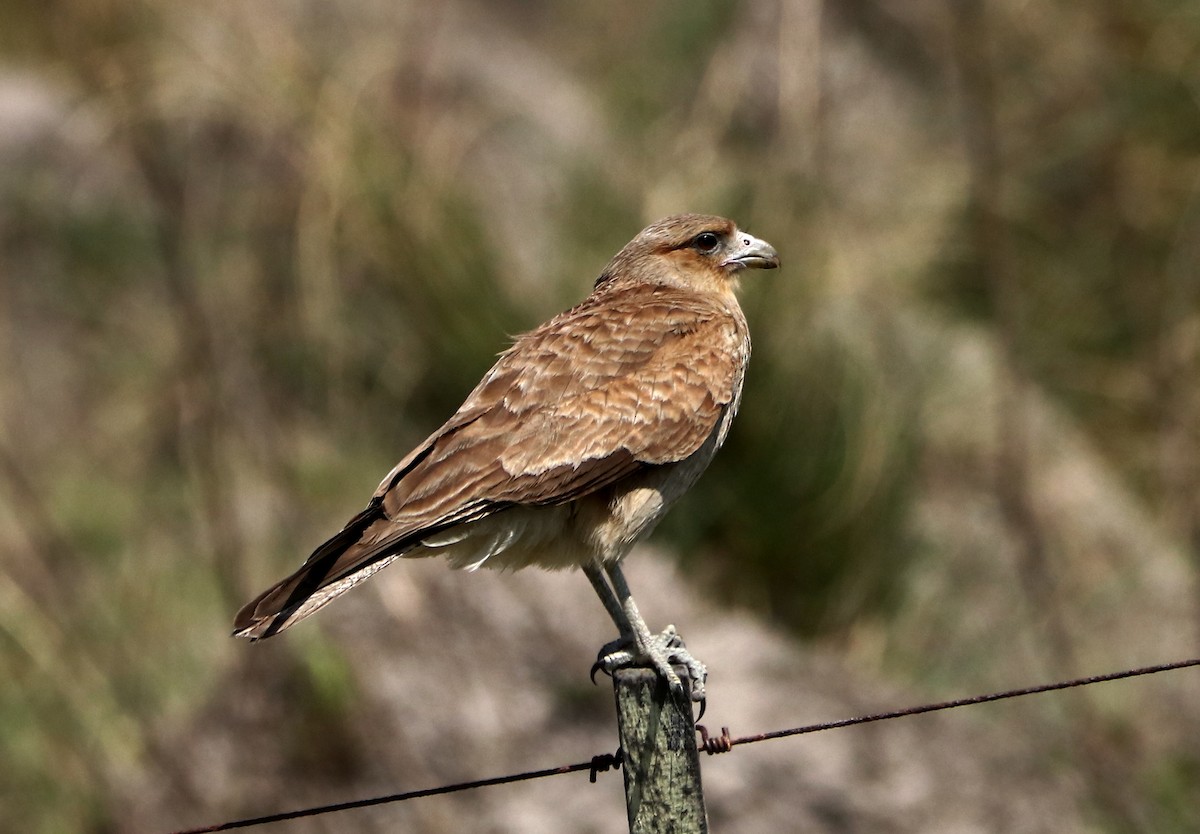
column 335, row 567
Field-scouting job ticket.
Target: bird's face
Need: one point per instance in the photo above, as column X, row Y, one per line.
column 701, row 252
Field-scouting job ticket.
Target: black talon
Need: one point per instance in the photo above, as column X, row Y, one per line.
column 596, row 667
column 703, row 707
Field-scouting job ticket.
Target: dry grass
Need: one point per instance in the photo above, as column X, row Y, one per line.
column 249, row 252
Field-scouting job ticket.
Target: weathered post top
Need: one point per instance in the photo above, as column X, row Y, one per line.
column 662, row 762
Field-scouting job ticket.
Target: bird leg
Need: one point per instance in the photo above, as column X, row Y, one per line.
column 637, row 645
column 611, row 604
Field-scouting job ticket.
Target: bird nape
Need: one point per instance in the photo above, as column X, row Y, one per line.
column 573, row 446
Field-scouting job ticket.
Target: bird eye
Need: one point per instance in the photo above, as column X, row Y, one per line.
column 706, row 242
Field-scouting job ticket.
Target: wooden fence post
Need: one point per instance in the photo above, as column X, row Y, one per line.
column 662, row 761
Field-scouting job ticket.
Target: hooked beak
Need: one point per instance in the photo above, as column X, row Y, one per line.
column 749, row 252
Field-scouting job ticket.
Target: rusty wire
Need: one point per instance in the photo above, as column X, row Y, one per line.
column 709, row 744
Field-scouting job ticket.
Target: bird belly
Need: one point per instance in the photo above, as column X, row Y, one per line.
column 637, row 505
column 600, row 528
column 511, row 539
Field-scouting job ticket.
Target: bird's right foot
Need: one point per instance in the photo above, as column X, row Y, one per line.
column 665, row 653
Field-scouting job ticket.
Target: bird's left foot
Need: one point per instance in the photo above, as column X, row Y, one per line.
column 665, row 653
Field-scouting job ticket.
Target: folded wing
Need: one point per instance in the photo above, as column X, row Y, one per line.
column 621, row 382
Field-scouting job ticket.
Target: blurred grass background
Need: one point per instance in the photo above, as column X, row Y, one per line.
column 250, row 252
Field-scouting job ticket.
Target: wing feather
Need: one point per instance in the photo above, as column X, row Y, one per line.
column 629, row 378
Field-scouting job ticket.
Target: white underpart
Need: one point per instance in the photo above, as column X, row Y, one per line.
column 447, row 537
column 509, row 540
column 597, row 529
column 493, row 546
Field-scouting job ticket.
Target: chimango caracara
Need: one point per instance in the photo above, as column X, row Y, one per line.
column 573, row 446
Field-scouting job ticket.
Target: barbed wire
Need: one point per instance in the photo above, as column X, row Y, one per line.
column 724, row 743
column 709, row 744
column 597, row 764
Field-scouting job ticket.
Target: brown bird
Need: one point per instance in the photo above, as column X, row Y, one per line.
column 572, row 446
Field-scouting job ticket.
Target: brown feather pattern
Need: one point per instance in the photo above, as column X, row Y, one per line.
column 548, row 460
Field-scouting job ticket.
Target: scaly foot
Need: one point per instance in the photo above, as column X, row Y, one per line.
column 665, row 653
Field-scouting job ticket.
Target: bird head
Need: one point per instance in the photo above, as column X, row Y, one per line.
column 697, row 251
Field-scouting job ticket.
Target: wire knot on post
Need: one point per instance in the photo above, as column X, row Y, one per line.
column 601, row 763
column 719, row 744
